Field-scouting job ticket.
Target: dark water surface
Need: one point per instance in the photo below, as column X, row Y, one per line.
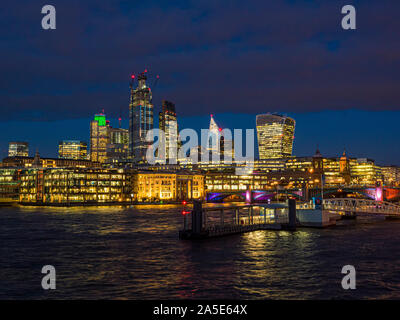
column 135, row 253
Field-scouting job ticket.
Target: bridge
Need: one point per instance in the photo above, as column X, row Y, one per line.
column 260, row 196
column 361, row 206
column 253, row 195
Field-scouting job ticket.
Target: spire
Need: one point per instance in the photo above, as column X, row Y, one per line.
column 36, row 159
column 213, row 125
column 317, row 153
column 344, row 156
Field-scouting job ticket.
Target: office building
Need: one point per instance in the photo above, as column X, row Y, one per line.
column 140, row 119
column 275, row 135
column 118, row 148
column 18, row 149
column 72, row 149
column 63, row 185
column 99, row 138
column 173, row 186
column 168, row 124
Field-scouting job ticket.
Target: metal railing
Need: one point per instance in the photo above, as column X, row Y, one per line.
column 361, row 206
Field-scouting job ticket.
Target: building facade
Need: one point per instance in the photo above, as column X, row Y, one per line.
column 18, row 149
column 118, row 148
column 9, row 185
column 62, row 185
column 28, row 162
column 98, row 185
column 167, row 186
column 72, row 149
column 140, row 119
column 275, row 135
column 391, row 176
column 169, row 125
column 99, row 138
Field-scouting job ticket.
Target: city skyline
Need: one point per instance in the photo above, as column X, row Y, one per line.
column 45, row 136
column 260, row 63
column 188, row 152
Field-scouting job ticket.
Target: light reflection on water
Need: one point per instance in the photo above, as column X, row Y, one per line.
column 135, row 253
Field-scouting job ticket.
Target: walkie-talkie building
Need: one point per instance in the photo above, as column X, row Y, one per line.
column 275, row 134
column 140, row 119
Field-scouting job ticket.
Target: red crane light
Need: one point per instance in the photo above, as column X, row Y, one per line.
column 133, row 76
column 145, row 70
column 184, row 203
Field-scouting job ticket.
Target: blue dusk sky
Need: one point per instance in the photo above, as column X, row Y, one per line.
column 234, row 59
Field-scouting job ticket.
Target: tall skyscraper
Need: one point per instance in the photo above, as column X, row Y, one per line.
column 140, row 119
column 213, row 137
column 72, row 149
column 275, row 134
column 169, row 124
column 99, row 138
column 18, row 149
column 217, row 142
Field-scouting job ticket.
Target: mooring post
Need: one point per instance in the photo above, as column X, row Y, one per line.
column 292, row 213
column 265, row 215
column 197, row 216
column 237, row 216
column 184, row 222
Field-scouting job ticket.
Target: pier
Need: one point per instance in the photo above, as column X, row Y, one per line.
column 218, row 221
column 207, row 222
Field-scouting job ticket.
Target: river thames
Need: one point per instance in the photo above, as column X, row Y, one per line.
column 135, row 253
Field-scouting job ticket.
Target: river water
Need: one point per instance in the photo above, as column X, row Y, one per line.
column 135, row 253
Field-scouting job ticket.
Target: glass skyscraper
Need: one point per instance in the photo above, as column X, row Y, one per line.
column 140, row 119
column 275, row 134
column 168, row 123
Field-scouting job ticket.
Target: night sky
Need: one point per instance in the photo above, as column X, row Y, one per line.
column 234, row 59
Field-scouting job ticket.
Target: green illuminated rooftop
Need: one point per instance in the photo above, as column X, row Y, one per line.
column 100, row 118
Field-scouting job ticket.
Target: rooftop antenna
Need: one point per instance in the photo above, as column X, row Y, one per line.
column 132, row 80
